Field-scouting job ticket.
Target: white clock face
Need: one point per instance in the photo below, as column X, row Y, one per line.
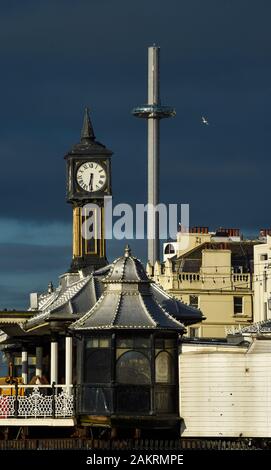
column 91, row 176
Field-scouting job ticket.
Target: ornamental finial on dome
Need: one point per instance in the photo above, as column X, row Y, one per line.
column 127, row 251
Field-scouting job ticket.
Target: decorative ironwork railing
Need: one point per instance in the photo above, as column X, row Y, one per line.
column 36, row 401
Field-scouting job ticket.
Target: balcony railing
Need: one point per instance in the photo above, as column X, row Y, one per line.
column 231, row 281
column 245, row 278
column 36, row 401
column 190, row 277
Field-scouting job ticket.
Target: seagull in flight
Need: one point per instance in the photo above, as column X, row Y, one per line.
column 204, row 121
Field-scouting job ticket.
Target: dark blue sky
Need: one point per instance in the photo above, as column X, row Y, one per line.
column 59, row 55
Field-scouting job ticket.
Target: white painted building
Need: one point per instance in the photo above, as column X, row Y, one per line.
column 262, row 281
column 195, row 236
column 225, row 389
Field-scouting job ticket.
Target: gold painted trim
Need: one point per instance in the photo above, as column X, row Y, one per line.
column 37, row 327
column 77, row 249
column 102, row 242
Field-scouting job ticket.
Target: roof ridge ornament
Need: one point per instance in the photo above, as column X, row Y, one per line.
column 87, row 132
column 127, row 251
column 50, row 288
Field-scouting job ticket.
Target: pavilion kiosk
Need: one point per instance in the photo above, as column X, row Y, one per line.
column 127, row 354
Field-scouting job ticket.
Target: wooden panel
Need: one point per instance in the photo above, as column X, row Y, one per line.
column 226, row 394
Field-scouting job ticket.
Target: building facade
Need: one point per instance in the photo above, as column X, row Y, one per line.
column 262, row 279
column 225, row 391
column 212, row 271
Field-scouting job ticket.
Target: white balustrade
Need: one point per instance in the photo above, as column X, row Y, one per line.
column 36, row 401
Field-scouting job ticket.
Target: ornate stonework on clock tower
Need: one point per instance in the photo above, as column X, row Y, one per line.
column 88, row 182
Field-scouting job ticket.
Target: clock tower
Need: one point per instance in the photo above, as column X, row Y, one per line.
column 88, row 182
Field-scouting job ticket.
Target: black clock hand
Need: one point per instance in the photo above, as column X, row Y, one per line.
column 91, row 182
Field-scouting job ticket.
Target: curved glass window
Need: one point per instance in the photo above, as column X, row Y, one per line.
column 164, row 368
column 133, row 367
column 137, row 343
column 169, row 249
column 4, row 372
column 97, row 365
column 97, row 343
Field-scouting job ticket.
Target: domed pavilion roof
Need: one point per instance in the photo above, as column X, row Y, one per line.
column 128, row 301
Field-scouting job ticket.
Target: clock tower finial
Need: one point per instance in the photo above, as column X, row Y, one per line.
column 87, row 132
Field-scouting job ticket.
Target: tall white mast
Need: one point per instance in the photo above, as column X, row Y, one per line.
column 153, row 111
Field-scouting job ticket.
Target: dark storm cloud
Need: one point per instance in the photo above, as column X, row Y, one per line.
column 12, row 297
column 32, row 259
column 58, row 56
column 29, row 268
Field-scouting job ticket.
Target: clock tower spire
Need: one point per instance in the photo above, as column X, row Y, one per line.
column 87, row 132
column 88, row 182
